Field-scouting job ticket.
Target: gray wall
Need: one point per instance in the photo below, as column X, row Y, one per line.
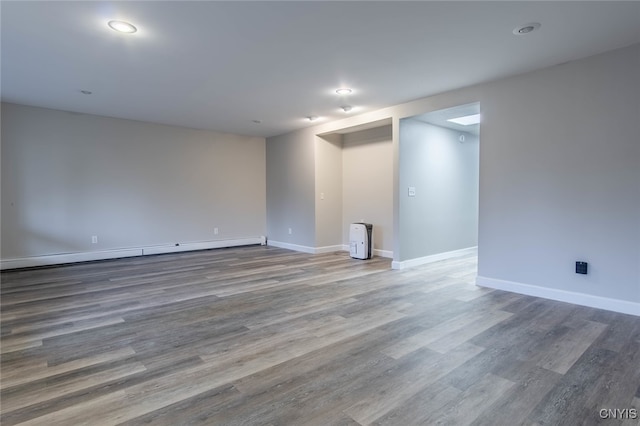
column 291, row 189
column 443, row 215
column 324, row 183
column 67, row 177
column 329, row 191
column 560, row 176
column 367, row 170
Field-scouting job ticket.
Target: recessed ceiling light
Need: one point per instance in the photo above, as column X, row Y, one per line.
column 256, row 121
column 86, row 92
column 344, row 91
column 122, row 27
column 467, row 120
column 526, row 29
column 346, row 108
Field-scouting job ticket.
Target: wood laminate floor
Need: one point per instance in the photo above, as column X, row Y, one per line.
column 265, row 336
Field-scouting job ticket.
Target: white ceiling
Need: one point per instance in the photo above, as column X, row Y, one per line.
column 220, row 65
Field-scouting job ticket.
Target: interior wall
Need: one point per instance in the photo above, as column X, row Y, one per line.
column 559, row 177
column 329, row 192
column 443, row 214
column 367, row 170
column 291, row 190
column 67, row 177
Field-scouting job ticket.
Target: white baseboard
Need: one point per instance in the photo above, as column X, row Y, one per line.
column 203, row 245
column 325, row 249
column 328, row 249
column 383, row 253
column 289, row 246
column 57, row 259
column 432, row 258
column 615, row 305
column 376, row 252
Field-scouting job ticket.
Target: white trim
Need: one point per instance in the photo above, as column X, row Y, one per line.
column 615, row 305
column 328, row 249
column 383, row 253
column 432, row 258
column 203, row 245
column 325, row 249
column 58, row 259
column 376, row 252
column 289, row 246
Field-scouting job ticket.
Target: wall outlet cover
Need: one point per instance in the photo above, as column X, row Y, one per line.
column 582, row 267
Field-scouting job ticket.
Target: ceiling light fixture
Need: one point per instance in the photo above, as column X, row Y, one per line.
column 346, row 108
column 312, row 117
column 86, row 92
column 466, row 120
column 122, row 27
column 256, row 121
column 526, row 29
column 344, row 91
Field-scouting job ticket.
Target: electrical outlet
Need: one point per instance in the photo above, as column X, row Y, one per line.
column 581, row 267
column 94, row 239
column 215, row 231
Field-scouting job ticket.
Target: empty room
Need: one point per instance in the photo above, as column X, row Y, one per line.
column 320, row 213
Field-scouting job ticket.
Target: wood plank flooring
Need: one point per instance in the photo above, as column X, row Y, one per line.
column 265, row 336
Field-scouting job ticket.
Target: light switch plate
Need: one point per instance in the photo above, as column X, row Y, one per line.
column 412, row 191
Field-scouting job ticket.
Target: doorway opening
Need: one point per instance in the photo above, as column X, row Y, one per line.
column 439, row 184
